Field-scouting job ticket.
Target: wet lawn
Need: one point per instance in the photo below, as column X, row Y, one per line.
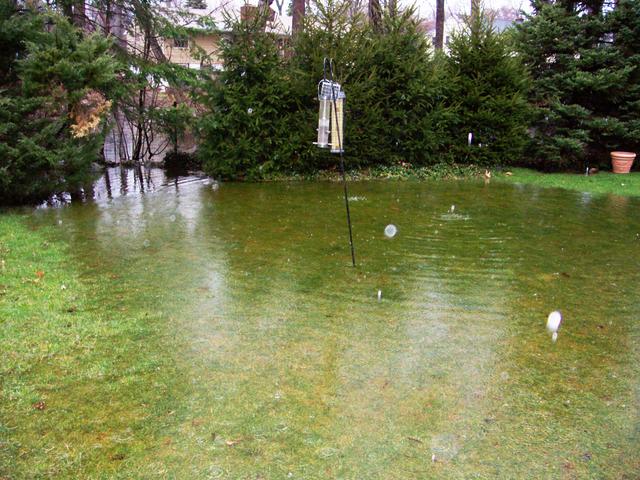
column 600, row 183
column 203, row 333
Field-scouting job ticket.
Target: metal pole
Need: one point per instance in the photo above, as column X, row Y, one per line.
column 344, row 177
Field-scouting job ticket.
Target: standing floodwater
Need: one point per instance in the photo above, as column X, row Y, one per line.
column 429, row 360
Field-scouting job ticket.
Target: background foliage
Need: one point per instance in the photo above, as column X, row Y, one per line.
column 405, row 105
column 489, row 90
column 46, row 74
column 584, row 63
column 558, row 93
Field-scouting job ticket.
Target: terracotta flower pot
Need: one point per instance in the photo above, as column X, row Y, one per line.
column 622, row 161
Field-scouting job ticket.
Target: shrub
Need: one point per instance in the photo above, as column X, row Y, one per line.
column 245, row 128
column 262, row 109
column 398, row 90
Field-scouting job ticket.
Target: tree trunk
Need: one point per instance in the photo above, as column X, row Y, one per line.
column 375, row 14
column 79, row 14
column 439, row 43
column 143, row 13
column 115, row 24
column 393, row 7
column 475, row 8
column 298, row 16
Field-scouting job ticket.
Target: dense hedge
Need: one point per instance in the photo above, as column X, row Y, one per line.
column 489, row 87
column 404, row 104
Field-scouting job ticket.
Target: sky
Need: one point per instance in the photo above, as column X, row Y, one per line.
column 426, row 8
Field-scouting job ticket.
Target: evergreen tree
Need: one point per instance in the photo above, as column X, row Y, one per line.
column 397, row 90
column 625, row 32
column 55, row 88
column 489, row 93
column 244, row 130
column 584, row 64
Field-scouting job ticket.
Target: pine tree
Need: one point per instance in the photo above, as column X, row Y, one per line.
column 585, row 89
column 489, row 88
column 625, row 32
column 244, row 130
column 397, row 91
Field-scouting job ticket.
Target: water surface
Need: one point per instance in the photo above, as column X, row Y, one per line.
column 283, row 349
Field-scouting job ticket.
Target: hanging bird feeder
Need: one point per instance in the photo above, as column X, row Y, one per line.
column 330, row 129
column 331, row 98
column 324, row 97
column 337, row 120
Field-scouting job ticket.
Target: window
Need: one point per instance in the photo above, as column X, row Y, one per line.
column 181, row 42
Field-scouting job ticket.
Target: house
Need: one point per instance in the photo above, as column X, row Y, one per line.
column 200, row 49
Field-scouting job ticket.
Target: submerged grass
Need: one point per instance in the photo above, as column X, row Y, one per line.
column 221, row 334
column 601, row 183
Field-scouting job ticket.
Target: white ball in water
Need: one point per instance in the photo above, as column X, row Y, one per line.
column 390, row 230
column 553, row 323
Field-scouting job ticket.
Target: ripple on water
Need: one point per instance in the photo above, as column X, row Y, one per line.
column 328, row 452
column 215, row 472
column 445, row 446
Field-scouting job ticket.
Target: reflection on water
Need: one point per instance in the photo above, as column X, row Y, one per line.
column 285, row 345
column 121, row 181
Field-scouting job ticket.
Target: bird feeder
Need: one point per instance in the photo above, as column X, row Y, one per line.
column 331, row 116
column 337, row 121
column 330, row 123
column 324, row 97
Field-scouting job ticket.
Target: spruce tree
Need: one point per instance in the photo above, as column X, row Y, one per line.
column 397, row 88
column 244, row 130
column 584, row 64
column 489, row 88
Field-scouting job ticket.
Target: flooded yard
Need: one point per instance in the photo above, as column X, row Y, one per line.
column 219, row 331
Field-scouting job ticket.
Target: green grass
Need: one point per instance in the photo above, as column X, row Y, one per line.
column 207, row 335
column 86, row 385
column 602, row 183
column 400, row 171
